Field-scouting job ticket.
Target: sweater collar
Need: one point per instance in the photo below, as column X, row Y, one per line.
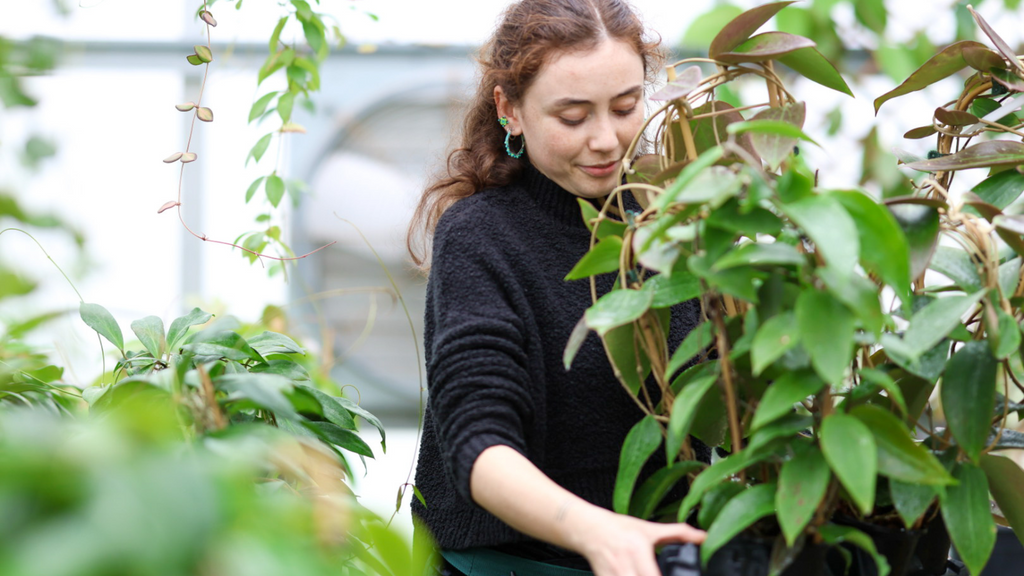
column 551, row 198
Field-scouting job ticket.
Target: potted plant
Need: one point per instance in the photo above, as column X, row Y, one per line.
column 815, row 371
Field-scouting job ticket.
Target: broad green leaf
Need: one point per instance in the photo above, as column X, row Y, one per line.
column 872, row 14
column 267, row 343
column 985, row 154
column 260, row 106
column 738, row 514
column 954, row 263
column 968, row 518
column 686, row 177
column 946, row 63
column 715, row 499
column 774, row 338
column 849, row 447
column 290, row 369
column 99, row 319
column 684, row 409
column 710, row 131
column 788, row 426
column 968, row 395
column 643, row 439
column 812, row 64
column 275, row 189
column 1009, row 276
column 899, row 456
column 739, row 282
column 758, row 254
column 920, row 226
column 1008, row 79
column 835, row 534
column 284, row 106
column 194, row 60
column 338, row 436
column 714, row 186
column 982, row 107
column 765, row 46
column 671, row 290
column 253, row 188
column 826, row 332
column 602, row 258
column 774, row 148
column 802, row 484
column 333, row 411
column 743, row 26
column 616, row 308
column 911, row 500
column 1005, row 479
column 265, row 390
column 1007, row 340
column 783, row 394
column 747, row 220
column 702, row 31
column 362, row 413
column 1002, row 189
column 621, row 347
column 606, row 228
column 650, row 493
column 830, row 227
column 934, row 322
column 883, row 247
column 259, row 149
column 885, row 382
column 150, row 331
column 223, row 344
column 773, row 127
column 859, row 294
column 275, row 36
column 714, row 475
column 696, row 342
column 658, row 254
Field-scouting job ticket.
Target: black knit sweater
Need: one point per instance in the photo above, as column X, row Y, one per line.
column 498, row 316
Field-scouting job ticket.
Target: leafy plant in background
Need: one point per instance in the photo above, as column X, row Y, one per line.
column 818, row 398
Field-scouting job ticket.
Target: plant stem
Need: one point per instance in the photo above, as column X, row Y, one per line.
column 730, row 392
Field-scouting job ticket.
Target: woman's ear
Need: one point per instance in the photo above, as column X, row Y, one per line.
column 506, row 109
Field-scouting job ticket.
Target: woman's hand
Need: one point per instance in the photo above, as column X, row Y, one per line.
column 618, row 545
column 508, row 485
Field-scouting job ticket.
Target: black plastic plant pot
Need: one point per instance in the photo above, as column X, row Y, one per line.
column 923, row 552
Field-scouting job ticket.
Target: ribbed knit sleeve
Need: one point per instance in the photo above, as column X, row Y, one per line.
column 479, row 390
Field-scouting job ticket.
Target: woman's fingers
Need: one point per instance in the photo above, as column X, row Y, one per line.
column 679, row 533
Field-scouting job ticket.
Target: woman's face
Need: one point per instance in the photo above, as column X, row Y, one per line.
column 580, row 115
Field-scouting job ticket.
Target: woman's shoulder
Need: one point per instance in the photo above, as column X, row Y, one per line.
column 487, row 213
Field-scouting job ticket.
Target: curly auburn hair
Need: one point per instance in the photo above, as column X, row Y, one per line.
column 530, row 32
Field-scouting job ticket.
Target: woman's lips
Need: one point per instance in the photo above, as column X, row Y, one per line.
column 600, row 170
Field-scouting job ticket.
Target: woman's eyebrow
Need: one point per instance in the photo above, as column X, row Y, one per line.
column 634, row 91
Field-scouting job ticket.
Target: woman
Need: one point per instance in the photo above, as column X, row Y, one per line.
column 519, row 456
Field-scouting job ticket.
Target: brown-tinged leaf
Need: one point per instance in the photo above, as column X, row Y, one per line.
column 1001, row 44
column 208, row 18
column 293, row 127
column 741, row 27
column 204, row 114
column 991, row 213
column 1012, row 223
column 987, row 211
column 946, row 63
column 203, row 52
column 905, row 157
column 680, row 87
column 1012, row 81
column 185, row 107
column 981, row 155
column 982, row 59
column 188, row 157
column 955, row 117
column 194, row 60
column 774, row 148
column 168, row 206
column 645, row 168
column 921, row 132
column 709, row 131
column 173, row 157
column 766, row 46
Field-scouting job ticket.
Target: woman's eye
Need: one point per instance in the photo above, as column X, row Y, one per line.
column 571, row 121
column 626, row 112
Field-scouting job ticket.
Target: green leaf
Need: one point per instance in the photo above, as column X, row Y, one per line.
column 265, row 390
column 830, row 227
column 757, row 254
column 1009, row 276
column 878, row 378
column 812, row 64
column 850, row 450
column 826, row 332
column 788, row 426
column 686, row 177
column 223, row 344
column 782, row 394
column 99, row 319
column 1008, row 339
column 872, row 14
column 275, row 36
column 771, row 127
column 714, row 475
column 702, row 31
column 920, row 226
column 275, row 189
column 883, row 247
column 982, row 107
column 982, row 59
column 696, row 342
column 802, row 485
column 1003, row 49
column 1005, row 479
column 643, row 439
column 602, row 258
column 576, row 338
column 1002, row 189
column 775, row 147
column 268, row 343
column 709, row 131
column 150, row 331
column 899, row 456
column 616, row 308
column 934, row 322
column 284, row 106
column 968, row 518
column 738, row 514
column 338, row 436
column 765, row 46
column 290, row 369
column 671, row 290
column 715, row 499
column 834, row 534
column 775, row 337
column 333, row 410
column 260, row 106
column 194, row 60
column 684, row 411
column 986, row 154
column 365, row 415
column 742, row 27
column 650, row 493
column 946, row 63
column 954, row 263
column 629, row 363
column 259, row 149
column 968, row 395
column 203, row 52
column 911, row 500
column 253, row 188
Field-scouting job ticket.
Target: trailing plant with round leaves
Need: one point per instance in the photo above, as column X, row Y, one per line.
column 819, row 397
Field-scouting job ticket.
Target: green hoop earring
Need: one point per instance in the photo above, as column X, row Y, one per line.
column 508, row 149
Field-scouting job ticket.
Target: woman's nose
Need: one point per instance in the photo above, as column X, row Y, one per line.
column 604, row 137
